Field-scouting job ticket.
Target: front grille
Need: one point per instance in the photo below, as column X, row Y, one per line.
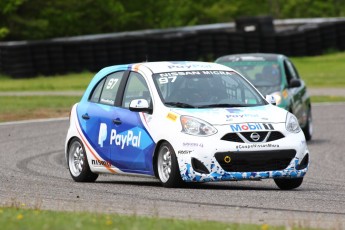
column 232, row 137
column 235, row 137
column 255, row 161
column 247, row 136
column 275, row 135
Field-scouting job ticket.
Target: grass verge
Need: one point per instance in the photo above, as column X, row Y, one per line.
column 78, row 81
column 13, row 108
column 322, row 71
column 14, row 218
column 320, row 99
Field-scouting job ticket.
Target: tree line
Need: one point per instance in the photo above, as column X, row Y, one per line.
column 44, row 19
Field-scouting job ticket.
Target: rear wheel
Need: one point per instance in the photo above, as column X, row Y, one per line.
column 288, row 184
column 77, row 163
column 167, row 166
column 308, row 129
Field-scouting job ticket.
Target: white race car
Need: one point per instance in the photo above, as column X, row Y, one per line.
column 182, row 122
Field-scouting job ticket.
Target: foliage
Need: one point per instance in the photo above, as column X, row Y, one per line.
column 42, row 19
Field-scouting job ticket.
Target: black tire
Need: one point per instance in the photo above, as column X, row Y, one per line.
column 167, row 167
column 288, row 184
column 77, row 162
column 308, row 129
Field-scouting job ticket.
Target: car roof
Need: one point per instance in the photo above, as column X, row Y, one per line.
column 167, row 66
column 157, row 67
column 250, row 57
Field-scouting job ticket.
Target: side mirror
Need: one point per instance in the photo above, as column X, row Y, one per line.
column 271, row 99
column 294, row 83
column 140, row 105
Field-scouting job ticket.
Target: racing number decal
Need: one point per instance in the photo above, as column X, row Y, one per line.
column 165, row 80
column 112, row 82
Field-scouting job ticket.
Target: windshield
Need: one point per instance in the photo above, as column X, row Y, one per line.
column 259, row 73
column 206, row 89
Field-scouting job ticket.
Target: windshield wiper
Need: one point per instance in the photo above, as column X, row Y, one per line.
column 223, row 105
column 179, row 104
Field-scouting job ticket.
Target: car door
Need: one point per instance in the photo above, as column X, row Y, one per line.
column 298, row 94
column 132, row 145
column 97, row 114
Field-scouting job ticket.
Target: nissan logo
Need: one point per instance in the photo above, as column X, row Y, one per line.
column 255, row 136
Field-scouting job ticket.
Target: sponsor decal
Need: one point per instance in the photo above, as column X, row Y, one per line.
column 172, row 116
column 102, row 134
column 186, row 73
column 251, row 127
column 233, row 110
column 165, row 78
column 189, row 66
column 229, row 116
column 100, row 163
column 251, row 146
column 187, row 144
column 173, row 75
column 125, row 139
column 185, row 151
column 285, row 93
column 216, row 72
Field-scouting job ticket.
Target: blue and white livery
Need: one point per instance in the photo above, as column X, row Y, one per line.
column 182, row 122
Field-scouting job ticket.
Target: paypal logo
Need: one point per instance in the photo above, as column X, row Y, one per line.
column 102, row 134
column 127, row 138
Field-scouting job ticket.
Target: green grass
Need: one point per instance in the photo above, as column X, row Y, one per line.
column 29, row 107
column 318, row 99
column 71, row 82
column 322, row 71
column 14, row 218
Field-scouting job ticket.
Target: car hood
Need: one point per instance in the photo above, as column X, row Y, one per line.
column 221, row 116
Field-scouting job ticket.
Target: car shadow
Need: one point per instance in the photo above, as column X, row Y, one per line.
column 202, row 186
column 318, row 141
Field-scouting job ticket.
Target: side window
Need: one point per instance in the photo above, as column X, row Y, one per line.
column 290, row 71
column 293, row 70
column 96, row 93
column 110, row 88
column 136, row 88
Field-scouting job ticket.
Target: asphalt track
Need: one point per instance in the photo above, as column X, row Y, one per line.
column 34, row 174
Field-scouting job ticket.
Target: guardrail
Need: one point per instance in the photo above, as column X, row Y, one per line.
column 293, row 37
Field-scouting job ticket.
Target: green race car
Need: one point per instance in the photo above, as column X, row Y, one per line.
column 275, row 74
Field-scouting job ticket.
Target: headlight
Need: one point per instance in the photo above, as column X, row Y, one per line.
column 292, row 123
column 197, row 127
column 278, row 97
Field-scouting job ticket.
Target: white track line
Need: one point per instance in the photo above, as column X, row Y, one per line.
column 34, row 121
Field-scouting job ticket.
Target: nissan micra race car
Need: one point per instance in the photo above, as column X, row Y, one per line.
column 182, row 122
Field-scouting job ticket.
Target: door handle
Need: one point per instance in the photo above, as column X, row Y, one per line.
column 85, row 116
column 117, row 121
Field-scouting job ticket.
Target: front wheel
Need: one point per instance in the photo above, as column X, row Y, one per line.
column 308, row 129
column 77, row 163
column 288, row 184
column 167, row 167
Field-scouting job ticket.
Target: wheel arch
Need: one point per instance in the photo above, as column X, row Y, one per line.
column 155, row 155
column 68, row 146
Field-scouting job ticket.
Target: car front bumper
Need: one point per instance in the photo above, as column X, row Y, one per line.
column 212, row 159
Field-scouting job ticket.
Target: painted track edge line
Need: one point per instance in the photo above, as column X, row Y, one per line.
column 33, row 121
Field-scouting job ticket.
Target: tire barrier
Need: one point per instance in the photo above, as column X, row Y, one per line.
column 24, row 59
